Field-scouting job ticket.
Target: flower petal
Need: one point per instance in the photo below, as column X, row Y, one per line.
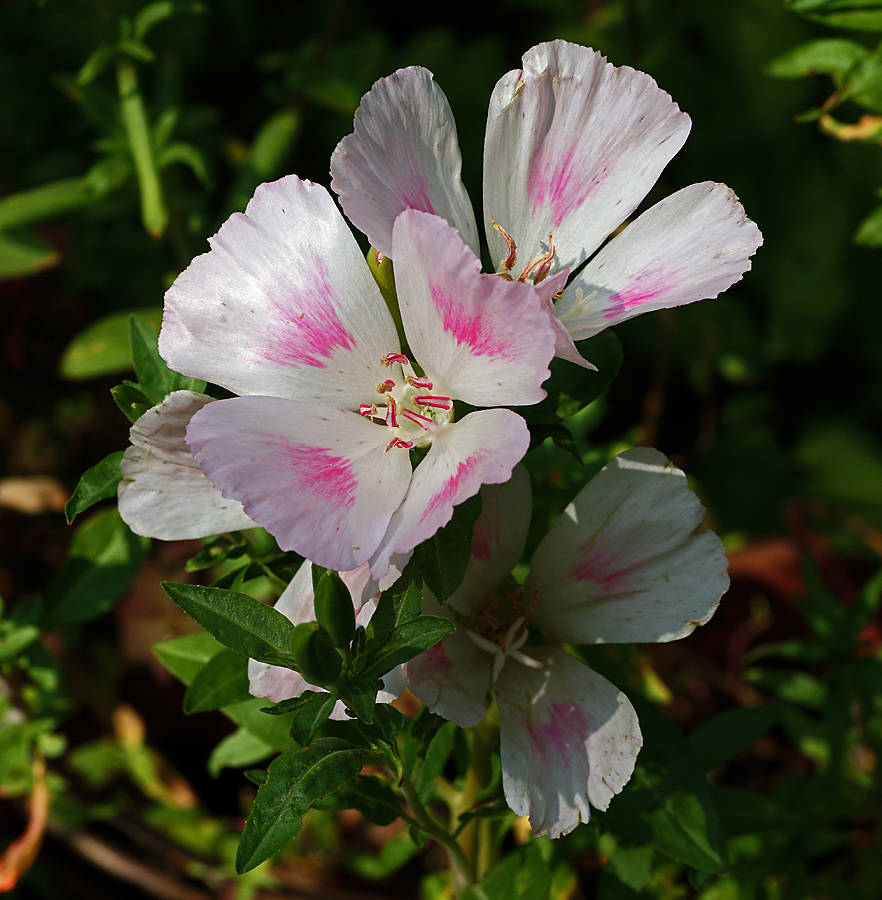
column 568, row 738
column 497, row 542
column 483, row 448
column 573, row 145
column 283, row 304
column 691, row 246
column 478, row 337
column 623, row 564
column 564, row 347
column 163, row 493
column 452, row 678
column 317, row 479
column 402, row 155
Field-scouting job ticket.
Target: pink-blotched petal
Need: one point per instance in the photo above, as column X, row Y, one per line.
column 403, row 154
column 623, row 563
column 479, row 338
column 283, row 304
column 573, row 145
column 691, row 246
column 482, row 448
column 452, row 678
column 569, row 738
column 163, row 493
column 564, row 347
column 316, row 478
column 364, row 587
column 497, row 542
column 276, row 683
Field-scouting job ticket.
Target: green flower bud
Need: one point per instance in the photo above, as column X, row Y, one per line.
column 316, row 657
column 334, row 609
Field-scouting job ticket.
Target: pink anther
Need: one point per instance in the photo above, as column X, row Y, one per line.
column 422, row 421
column 391, row 418
column 508, row 263
column 391, row 358
column 397, row 442
column 422, row 383
column 540, row 266
column 435, row 402
column 367, row 409
column 386, row 386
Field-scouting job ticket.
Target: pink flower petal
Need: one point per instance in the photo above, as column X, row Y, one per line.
column 569, row 738
column 478, row 337
column 283, row 304
column 483, row 448
column 573, row 145
column 691, row 246
column 163, row 493
column 403, row 155
column 317, row 479
column 623, row 563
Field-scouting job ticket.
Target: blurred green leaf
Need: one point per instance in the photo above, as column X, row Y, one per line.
column 294, row 782
column 238, row 621
column 102, row 348
column 221, row 681
column 25, row 254
column 44, row 202
column 794, row 687
column 869, row 233
column 522, row 875
column 103, row 559
column 97, row 483
column 95, row 64
column 862, row 15
column 447, row 553
column 185, row 656
column 238, row 750
column 729, row 734
column 154, row 13
column 835, row 57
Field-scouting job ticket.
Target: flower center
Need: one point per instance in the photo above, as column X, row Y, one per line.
column 536, row 270
column 501, row 629
column 412, row 413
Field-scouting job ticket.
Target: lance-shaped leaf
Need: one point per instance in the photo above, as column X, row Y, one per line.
column 221, row 681
column 311, row 710
column 402, row 602
column 97, row 483
column 155, row 378
column 294, row 782
column 238, row 621
column 448, row 552
column 406, row 641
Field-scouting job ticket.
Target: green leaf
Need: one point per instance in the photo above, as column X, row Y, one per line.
column 402, row 602
column 238, row 621
column 95, row 64
column 44, row 202
column 861, row 15
column 522, row 875
column 160, row 10
column 372, row 797
column 103, row 559
column 237, row 750
column 360, row 697
column 447, row 553
column 835, row 57
column 154, row 376
column 792, row 687
column 102, row 348
column 185, row 656
column 405, row 642
column 310, row 714
column 221, row 681
column 25, row 254
column 131, row 400
column 333, row 606
column 187, row 155
column 294, row 782
column 97, row 483
column 869, row 233
column 435, row 758
column 729, row 734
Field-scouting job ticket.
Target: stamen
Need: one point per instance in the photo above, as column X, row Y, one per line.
column 435, row 402
column 416, row 417
column 541, row 265
column 418, row 382
column 391, row 358
column 391, row 418
column 397, row 442
column 367, row 409
column 386, row 386
column 508, row 263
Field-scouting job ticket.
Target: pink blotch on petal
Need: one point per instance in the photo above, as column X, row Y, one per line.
column 601, row 565
column 323, row 475
column 436, row 658
column 466, row 328
column 451, row 487
column 308, row 329
column 484, row 543
column 557, row 184
column 555, row 738
column 414, row 194
column 644, row 289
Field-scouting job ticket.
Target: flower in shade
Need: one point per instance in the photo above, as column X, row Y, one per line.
column 623, row 564
column 284, row 311
column 573, row 145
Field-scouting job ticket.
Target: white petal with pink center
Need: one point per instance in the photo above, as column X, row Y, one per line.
column 277, row 683
column 623, row 563
column 479, row 338
column 483, row 448
column 691, row 246
column 569, row 741
column 283, row 304
column 163, row 492
column 403, row 155
column 316, row 478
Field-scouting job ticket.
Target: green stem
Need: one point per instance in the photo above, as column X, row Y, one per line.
column 476, row 838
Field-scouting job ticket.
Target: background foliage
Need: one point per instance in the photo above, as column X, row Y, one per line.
column 130, row 130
